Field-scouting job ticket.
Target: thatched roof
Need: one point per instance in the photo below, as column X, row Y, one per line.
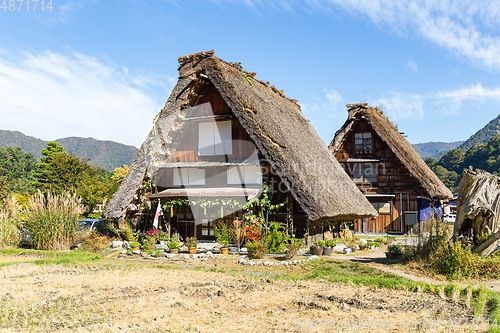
column 275, row 123
column 397, row 143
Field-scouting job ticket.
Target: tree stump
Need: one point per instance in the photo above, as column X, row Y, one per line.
column 478, row 208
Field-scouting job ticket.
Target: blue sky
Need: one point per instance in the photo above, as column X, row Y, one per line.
column 103, row 69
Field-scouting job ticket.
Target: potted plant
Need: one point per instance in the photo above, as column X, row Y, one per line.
column 394, row 252
column 135, row 245
column 174, row 244
column 150, row 238
column 316, row 249
column 372, row 245
column 223, row 236
column 293, row 246
column 328, row 245
column 191, row 243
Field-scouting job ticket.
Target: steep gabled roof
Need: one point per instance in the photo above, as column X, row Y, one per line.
column 398, row 145
column 275, row 123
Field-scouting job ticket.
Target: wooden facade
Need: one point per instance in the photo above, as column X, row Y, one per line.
column 379, row 173
column 212, row 107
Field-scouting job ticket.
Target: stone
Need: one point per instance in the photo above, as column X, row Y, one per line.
column 170, row 255
column 343, row 306
column 163, row 255
column 201, row 255
column 160, row 247
column 116, row 244
column 124, row 252
column 153, row 254
column 362, row 241
column 233, row 249
column 193, row 256
column 243, row 249
column 209, row 253
column 339, row 247
column 136, row 252
column 144, row 254
column 186, row 256
column 126, row 245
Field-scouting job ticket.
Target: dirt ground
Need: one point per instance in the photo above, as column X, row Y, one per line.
column 140, row 295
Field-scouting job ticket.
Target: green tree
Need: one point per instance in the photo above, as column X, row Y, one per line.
column 3, row 190
column 52, row 150
column 67, row 171
column 18, row 167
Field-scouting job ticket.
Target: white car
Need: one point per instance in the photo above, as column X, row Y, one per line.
column 450, row 218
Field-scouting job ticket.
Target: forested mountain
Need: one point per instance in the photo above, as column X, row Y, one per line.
column 431, row 149
column 480, row 156
column 484, row 134
column 104, row 154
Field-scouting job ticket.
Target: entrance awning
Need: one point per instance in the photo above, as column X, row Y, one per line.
column 207, row 192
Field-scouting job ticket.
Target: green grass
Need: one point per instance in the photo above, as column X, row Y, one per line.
column 41, row 257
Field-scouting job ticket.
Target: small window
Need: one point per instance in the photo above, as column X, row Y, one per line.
column 189, row 176
column 365, row 172
column 214, row 138
column 382, row 207
column 248, row 174
column 363, row 142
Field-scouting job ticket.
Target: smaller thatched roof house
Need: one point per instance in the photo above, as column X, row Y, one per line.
column 386, row 167
column 249, row 113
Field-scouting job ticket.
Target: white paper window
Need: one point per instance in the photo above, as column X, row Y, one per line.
column 248, row 174
column 214, row 138
column 364, row 173
column 363, row 141
column 189, row 176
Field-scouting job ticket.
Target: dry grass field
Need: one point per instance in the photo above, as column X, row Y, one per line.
column 138, row 295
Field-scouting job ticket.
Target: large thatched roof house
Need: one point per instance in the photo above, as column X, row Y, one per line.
column 391, row 174
column 223, row 133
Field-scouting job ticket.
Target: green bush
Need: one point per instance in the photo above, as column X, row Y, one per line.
column 293, row 246
column 276, row 237
column 381, row 240
column 53, row 220
column 257, row 249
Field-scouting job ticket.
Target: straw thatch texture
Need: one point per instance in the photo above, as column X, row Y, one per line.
column 397, row 143
column 280, row 131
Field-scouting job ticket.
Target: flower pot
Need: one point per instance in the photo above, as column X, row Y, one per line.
column 392, row 255
column 327, row 251
column 316, row 250
column 224, row 250
column 348, row 250
column 192, row 249
column 150, row 246
column 174, row 251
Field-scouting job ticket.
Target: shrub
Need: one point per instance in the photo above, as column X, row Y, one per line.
column 395, row 249
column 321, row 243
column 276, row 236
column 256, row 249
column 370, row 243
column 252, row 233
column 9, row 231
column 53, row 220
column 128, row 233
column 96, row 242
column 293, row 246
column 222, row 234
column 352, row 242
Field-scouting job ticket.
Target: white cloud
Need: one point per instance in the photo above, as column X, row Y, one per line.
column 404, row 106
column 52, row 95
column 413, row 66
column 467, row 28
column 451, row 101
column 401, row 106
